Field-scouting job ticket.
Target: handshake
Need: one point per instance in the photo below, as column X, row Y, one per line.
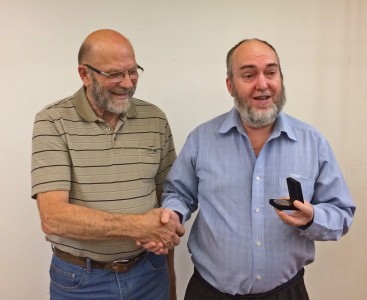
column 159, row 230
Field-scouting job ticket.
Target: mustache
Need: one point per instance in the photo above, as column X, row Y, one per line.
column 264, row 93
column 120, row 90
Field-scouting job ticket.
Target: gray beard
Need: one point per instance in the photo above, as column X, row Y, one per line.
column 255, row 118
column 106, row 103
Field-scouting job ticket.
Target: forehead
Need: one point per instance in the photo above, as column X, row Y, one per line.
column 254, row 53
column 114, row 55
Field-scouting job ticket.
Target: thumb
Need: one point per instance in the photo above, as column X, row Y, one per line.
column 165, row 216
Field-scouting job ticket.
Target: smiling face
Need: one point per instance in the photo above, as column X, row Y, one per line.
column 108, row 51
column 113, row 99
column 256, row 84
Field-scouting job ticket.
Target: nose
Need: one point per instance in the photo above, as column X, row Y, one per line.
column 261, row 83
column 126, row 82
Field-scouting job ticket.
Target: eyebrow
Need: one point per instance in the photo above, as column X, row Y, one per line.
column 254, row 67
column 121, row 71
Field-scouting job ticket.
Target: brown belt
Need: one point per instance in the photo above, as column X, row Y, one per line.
column 118, row 266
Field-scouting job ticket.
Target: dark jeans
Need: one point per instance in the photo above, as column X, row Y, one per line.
column 294, row 289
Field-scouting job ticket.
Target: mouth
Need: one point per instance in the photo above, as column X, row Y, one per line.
column 262, row 98
column 120, row 94
column 262, row 101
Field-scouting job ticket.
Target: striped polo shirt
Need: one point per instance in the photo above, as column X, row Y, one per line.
column 117, row 170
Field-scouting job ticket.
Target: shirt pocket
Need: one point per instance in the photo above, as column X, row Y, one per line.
column 149, row 159
column 307, row 185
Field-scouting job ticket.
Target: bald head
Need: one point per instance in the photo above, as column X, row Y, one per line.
column 247, row 42
column 101, row 43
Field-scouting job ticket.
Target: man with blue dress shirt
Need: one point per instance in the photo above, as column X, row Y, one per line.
column 230, row 166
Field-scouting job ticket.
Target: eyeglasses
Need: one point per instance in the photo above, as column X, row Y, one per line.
column 118, row 76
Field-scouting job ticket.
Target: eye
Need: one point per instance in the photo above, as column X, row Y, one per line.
column 133, row 73
column 116, row 74
column 247, row 76
column 271, row 73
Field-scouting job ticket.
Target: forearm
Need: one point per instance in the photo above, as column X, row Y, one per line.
column 329, row 223
column 58, row 217
column 81, row 223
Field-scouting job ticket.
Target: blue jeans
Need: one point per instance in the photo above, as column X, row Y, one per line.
column 147, row 280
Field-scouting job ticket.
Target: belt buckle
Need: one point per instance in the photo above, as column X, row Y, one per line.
column 120, row 265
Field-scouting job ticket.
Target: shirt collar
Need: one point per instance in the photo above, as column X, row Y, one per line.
column 233, row 120
column 282, row 125
column 87, row 113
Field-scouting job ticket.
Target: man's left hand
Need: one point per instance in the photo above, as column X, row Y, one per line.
column 299, row 217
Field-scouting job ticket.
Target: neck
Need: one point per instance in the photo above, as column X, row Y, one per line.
column 109, row 117
column 258, row 136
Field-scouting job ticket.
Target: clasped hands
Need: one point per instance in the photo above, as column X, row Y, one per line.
column 163, row 231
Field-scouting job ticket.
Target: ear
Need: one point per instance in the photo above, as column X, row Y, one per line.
column 83, row 73
column 229, row 86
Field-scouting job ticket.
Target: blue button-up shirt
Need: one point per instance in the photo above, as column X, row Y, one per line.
column 238, row 243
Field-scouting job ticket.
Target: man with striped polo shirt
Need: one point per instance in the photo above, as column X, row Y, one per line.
column 99, row 159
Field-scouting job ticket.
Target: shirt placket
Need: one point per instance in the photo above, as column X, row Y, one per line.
column 258, row 223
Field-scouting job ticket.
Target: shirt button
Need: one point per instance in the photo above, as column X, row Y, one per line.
column 258, row 244
column 257, row 210
column 257, row 178
column 258, row 277
column 108, row 128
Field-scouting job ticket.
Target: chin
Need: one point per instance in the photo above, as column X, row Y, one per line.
column 119, row 106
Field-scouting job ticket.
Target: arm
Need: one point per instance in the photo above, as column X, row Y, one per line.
column 329, row 214
column 180, row 192
column 51, row 177
column 182, row 183
column 58, row 217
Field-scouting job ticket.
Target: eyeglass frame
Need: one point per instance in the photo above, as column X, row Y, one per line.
column 118, row 78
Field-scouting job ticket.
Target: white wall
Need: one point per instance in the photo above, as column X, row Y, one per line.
column 182, row 46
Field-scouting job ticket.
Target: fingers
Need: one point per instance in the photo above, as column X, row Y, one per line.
column 161, row 232
column 305, row 208
column 301, row 206
column 180, row 230
column 166, row 215
column 297, row 218
column 156, row 248
column 176, row 240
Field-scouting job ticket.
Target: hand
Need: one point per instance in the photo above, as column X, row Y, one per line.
column 300, row 217
column 170, row 221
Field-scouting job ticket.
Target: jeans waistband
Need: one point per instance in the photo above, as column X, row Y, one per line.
column 118, row 266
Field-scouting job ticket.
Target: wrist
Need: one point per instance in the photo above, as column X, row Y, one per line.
column 304, row 227
column 179, row 216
